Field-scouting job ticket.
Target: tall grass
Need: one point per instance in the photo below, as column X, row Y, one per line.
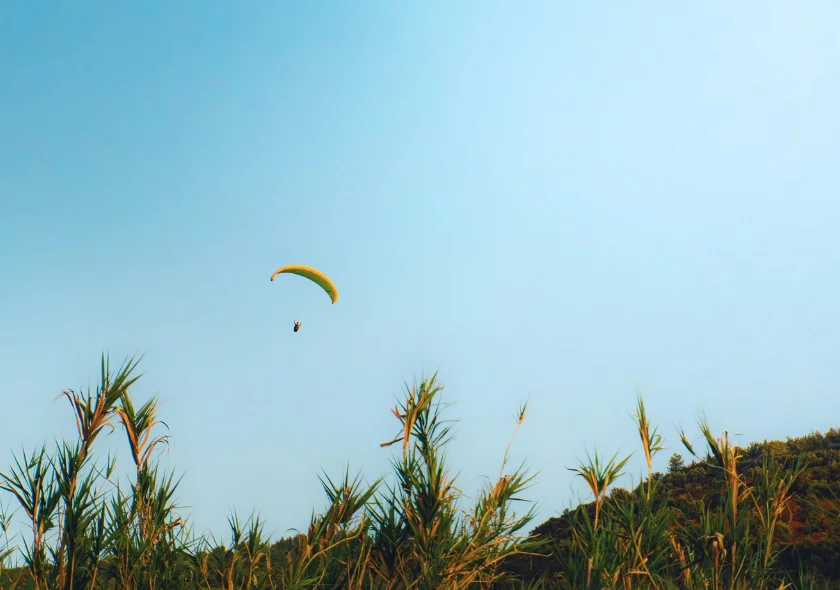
column 88, row 527
column 637, row 540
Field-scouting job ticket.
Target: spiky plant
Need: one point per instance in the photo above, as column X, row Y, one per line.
column 422, row 538
column 89, row 531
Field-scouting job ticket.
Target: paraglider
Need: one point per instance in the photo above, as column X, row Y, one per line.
column 313, row 275
column 316, row 276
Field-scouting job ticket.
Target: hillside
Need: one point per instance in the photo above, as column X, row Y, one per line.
column 808, row 531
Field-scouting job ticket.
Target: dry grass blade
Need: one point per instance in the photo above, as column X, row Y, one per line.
column 138, row 425
column 651, row 440
column 414, row 411
column 92, row 411
column 599, row 477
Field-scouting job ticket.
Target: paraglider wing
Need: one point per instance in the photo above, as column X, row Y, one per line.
column 313, row 275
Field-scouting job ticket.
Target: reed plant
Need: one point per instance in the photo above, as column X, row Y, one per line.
column 637, row 540
column 90, row 527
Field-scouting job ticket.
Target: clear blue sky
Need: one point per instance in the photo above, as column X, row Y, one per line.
column 563, row 201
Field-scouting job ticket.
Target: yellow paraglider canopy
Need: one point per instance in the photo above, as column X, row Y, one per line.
column 316, row 276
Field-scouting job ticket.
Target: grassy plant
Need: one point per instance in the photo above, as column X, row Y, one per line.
column 651, row 440
column 10, row 578
column 635, row 539
column 87, row 529
column 421, row 538
column 31, row 484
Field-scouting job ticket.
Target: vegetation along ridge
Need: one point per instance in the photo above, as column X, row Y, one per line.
column 765, row 516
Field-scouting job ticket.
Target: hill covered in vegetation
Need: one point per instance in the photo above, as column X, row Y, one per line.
column 764, row 516
column 698, row 500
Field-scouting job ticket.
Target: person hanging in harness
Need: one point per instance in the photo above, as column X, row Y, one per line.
column 297, row 325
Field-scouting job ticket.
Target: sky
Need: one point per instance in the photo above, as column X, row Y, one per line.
column 550, row 201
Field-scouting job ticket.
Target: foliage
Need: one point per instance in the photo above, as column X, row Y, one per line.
column 766, row 516
column 87, row 531
column 760, row 517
